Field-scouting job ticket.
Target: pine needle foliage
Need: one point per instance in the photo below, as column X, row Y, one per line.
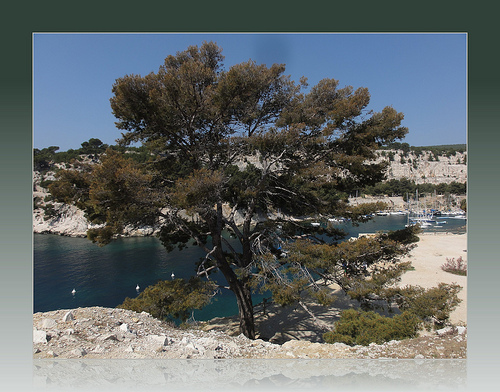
column 173, row 299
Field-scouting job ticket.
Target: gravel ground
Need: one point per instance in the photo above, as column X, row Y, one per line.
column 97, row 332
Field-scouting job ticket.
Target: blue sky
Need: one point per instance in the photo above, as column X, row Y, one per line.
column 421, row 75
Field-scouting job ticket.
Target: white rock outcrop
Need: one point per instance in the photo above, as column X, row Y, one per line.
column 424, row 169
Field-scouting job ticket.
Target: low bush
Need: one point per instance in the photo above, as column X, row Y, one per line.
column 457, row 267
column 46, row 183
column 432, row 305
column 172, row 300
column 420, row 307
column 37, row 202
column 362, row 328
column 49, row 211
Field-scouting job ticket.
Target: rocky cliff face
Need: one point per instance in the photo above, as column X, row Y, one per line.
column 425, row 168
column 68, row 220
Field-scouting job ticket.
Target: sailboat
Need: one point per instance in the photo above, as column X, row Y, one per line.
column 423, row 219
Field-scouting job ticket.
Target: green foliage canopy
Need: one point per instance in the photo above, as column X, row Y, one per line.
column 404, row 187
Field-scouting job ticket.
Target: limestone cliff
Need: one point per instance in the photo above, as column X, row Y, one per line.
column 425, row 168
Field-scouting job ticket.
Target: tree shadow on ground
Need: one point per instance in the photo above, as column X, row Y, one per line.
column 279, row 324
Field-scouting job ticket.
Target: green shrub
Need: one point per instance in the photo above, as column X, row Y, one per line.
column 46, row 183
column 362, row 328
column 37, row 202
column 432, row 305
column 49, row 211
column 173, row 299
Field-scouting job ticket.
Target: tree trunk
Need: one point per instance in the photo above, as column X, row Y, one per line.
column 237, row 285
column 243, row 297
column 245, row 307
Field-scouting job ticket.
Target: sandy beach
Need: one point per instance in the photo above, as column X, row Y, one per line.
column 427, row 258
column 281, row 324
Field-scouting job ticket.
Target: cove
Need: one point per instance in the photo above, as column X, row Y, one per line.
column 105, row 276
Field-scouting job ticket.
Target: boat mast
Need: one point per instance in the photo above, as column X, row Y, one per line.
column 416, row 198
column 408, row 207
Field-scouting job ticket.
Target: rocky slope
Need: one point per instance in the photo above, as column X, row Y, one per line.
column 98, row 332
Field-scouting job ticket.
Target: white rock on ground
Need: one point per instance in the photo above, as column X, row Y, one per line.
column 96, row 332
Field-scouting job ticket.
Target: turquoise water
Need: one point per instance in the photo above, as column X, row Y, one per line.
column 105, row 276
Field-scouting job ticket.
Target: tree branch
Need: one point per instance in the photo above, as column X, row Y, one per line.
column 321, row 324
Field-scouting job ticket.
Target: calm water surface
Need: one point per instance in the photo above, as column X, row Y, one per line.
column 105, row 276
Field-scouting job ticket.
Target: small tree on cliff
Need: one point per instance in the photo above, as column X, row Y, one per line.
column 232, row 145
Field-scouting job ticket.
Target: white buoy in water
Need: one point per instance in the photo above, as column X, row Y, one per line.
column 137, row 287
column 172, row 276
column 73, row 291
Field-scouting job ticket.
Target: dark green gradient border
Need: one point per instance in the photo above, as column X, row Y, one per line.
column 21, row 20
